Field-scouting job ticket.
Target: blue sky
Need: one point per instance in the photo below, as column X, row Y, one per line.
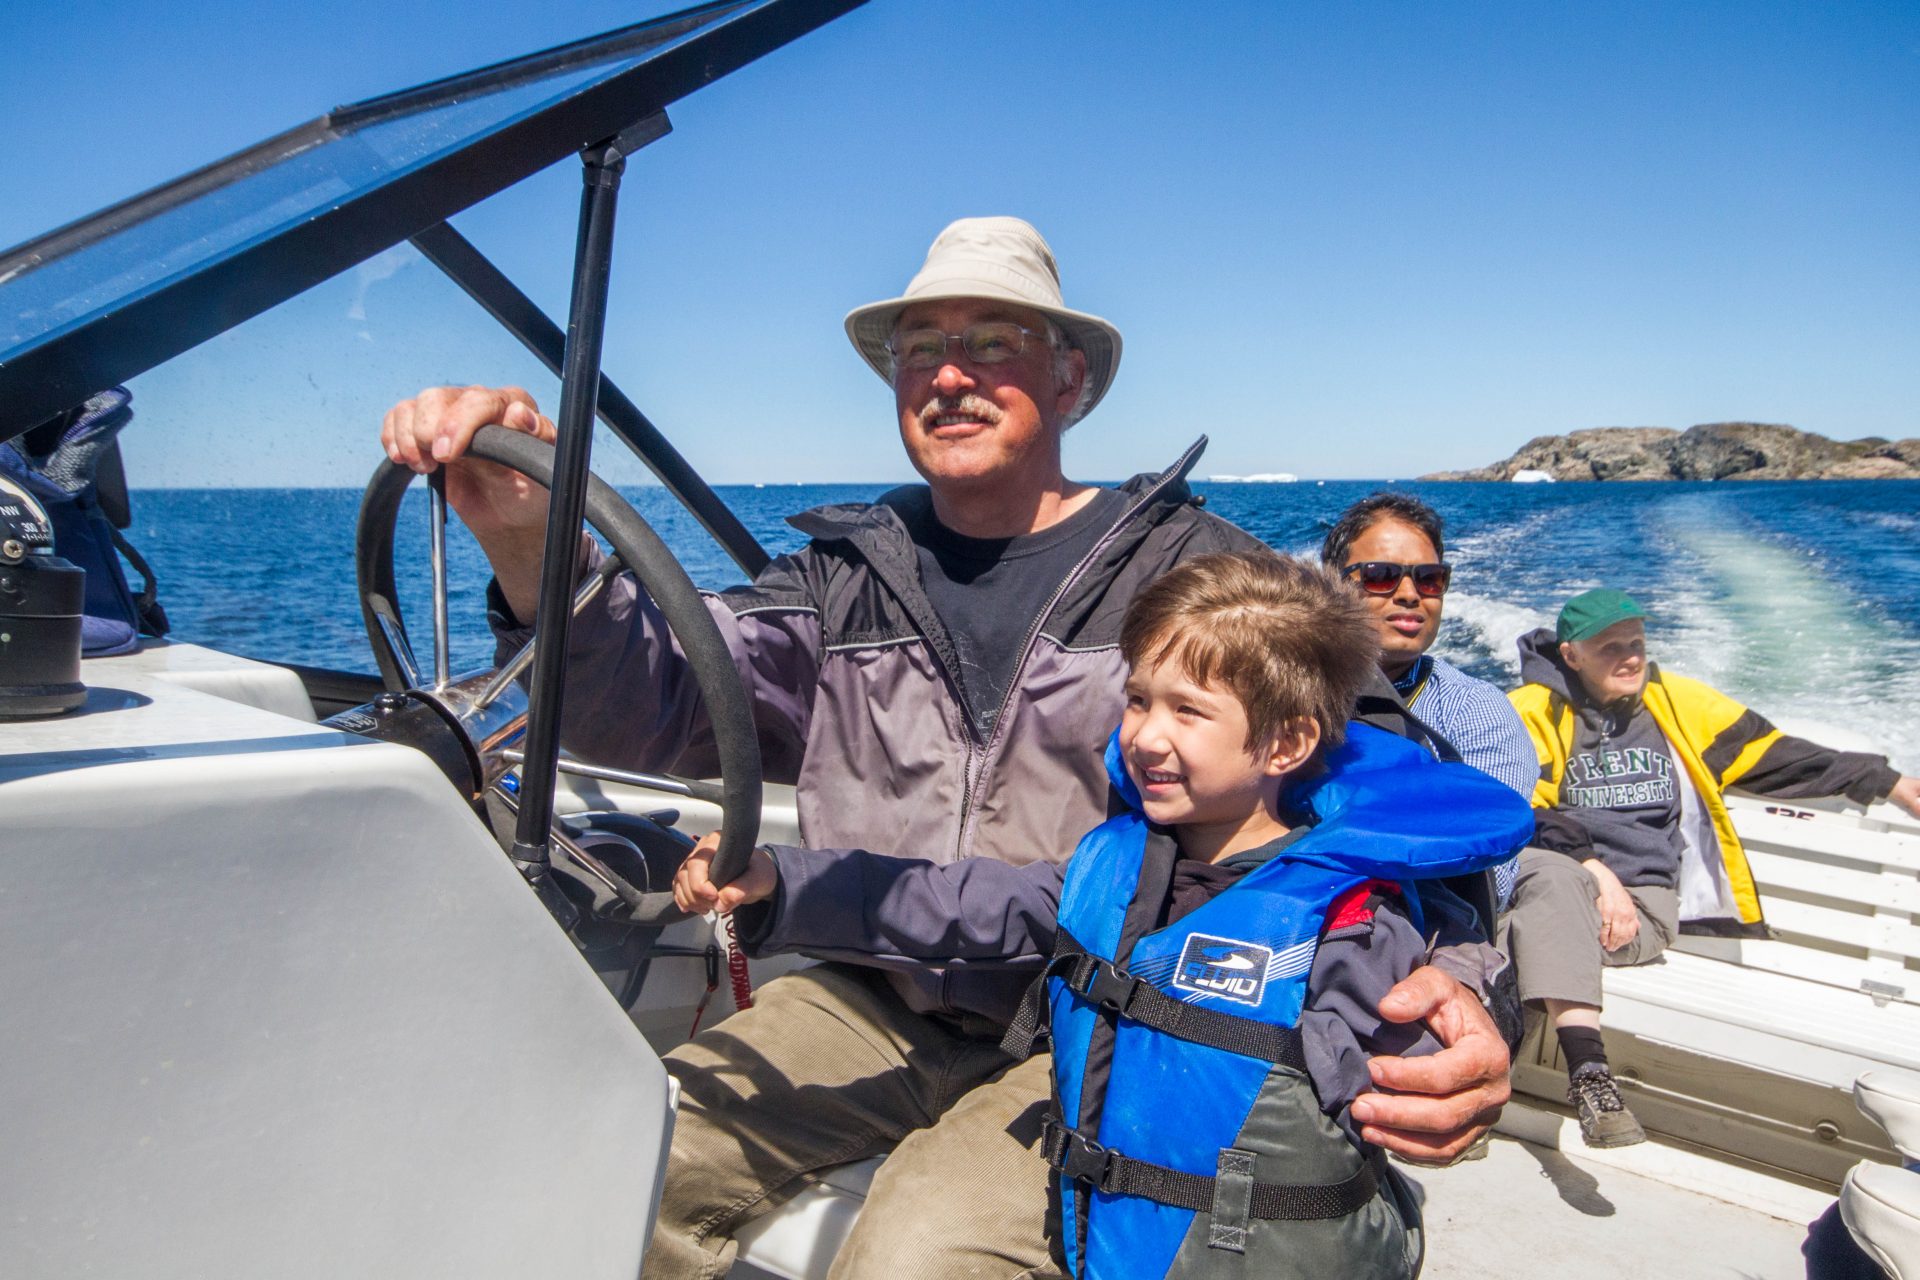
column 1362, row 239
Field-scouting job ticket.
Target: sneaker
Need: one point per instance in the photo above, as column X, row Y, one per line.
column 1604, row 1118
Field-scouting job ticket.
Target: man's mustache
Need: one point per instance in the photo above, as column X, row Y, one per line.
column 973, row 406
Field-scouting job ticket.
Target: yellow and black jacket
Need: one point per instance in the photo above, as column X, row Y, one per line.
column 1719, row 744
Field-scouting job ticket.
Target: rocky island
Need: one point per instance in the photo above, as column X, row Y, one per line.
column 1710, row 451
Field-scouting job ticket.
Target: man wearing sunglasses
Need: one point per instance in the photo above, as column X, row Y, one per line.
column 934, row 672
column 1391, row 546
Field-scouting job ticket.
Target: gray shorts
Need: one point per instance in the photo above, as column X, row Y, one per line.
column 1552, row 929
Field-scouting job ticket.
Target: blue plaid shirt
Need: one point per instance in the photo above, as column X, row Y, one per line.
column 1481, row 724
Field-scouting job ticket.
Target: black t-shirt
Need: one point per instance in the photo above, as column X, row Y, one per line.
column 1197, row 882
column 989, row 591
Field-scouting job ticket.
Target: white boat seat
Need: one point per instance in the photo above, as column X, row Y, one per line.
column 1892, row 1101
column 1747, row 1061
column 1753, row 1047
column 798, row 1240
column 1881, row 1207
column 1762, row 1019
column 1841, row 890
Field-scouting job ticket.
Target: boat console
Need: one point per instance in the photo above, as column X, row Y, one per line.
column 279, row 1006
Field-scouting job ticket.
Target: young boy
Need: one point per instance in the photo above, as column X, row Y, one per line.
column 1218, row 948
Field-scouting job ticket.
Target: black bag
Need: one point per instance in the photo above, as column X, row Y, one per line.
column 71, row 464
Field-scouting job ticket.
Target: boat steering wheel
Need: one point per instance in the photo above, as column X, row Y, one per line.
column 637, row 548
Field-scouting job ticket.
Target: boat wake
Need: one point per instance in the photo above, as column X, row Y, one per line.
column 1768, row 625
column 1765, row 619
column 1487, row 629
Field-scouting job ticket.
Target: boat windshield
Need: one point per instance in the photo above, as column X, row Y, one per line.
column 112, row 295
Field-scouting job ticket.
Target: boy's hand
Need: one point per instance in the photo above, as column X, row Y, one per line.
column 1430, row 1109
column 1619, row 918
column 695, row 894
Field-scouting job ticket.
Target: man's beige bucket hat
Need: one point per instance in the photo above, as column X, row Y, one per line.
column 999, row 260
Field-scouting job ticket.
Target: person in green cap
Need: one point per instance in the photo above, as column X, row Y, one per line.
column 1633, row 841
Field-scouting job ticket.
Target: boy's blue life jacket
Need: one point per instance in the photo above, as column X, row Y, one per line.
column 71, row 465
column 1186, row 1138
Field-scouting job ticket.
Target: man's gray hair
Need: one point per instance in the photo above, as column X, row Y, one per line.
column 1063, row 350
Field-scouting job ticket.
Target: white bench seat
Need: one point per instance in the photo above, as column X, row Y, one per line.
column 1692, row 1001
column 1841, row 890
column 1751, row 1047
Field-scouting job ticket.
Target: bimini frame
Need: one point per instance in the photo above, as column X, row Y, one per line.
column 112, row 295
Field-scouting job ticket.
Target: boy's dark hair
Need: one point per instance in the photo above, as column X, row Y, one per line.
column 1367, row 512
column 1285, row 637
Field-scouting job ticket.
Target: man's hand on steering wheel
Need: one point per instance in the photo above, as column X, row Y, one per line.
column 1430, row 1109
column 636, row 548
column 504, row 510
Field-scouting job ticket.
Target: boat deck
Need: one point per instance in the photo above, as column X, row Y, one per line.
column 1527, row 1210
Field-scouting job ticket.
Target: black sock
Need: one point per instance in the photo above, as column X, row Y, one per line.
column 1579, row 1046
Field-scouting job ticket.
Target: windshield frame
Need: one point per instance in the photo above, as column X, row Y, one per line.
column 129, row 332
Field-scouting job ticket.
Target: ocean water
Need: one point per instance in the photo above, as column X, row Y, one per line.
column 1801, row 599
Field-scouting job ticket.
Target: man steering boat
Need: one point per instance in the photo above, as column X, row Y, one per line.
column 934, row 671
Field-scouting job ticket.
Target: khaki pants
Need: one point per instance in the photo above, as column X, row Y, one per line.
column 830, row 1066
column 1552, row 930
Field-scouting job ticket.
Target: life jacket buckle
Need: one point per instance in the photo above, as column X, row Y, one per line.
column 1107, row 986
column 1076, row 1156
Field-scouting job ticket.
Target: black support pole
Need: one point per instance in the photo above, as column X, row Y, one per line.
column 579, row 387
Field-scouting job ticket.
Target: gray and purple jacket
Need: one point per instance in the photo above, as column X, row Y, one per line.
column 851, row 675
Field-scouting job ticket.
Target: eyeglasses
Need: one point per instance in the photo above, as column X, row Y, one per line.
column 1382, row 577
column 989, row 342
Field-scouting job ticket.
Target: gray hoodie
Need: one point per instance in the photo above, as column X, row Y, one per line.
column 1620, row 799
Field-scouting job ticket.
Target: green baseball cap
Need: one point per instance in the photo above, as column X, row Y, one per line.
column 1591, row 612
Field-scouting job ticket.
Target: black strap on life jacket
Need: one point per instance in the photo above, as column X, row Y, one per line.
column 1114, row 989
column 1073, row 1155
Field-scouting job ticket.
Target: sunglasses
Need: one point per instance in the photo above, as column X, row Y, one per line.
column 1382, row 577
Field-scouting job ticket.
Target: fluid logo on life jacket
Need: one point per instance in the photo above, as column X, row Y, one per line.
column 1224, row 968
